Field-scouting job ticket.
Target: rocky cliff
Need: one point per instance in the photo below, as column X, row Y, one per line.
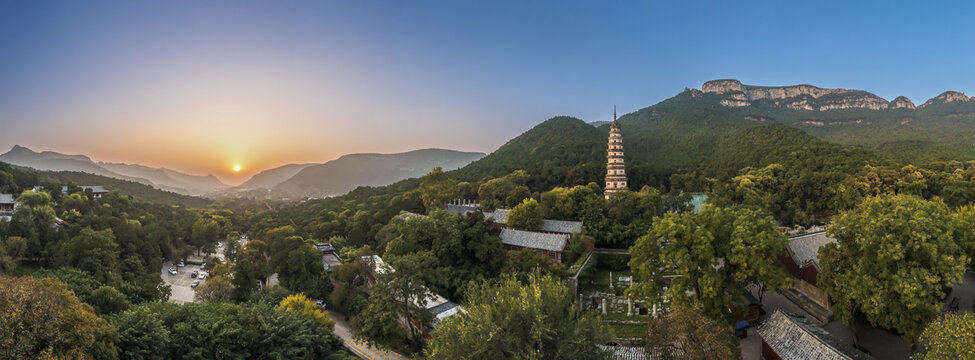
column 797, row 97
column 901, row 102
column 947, row 97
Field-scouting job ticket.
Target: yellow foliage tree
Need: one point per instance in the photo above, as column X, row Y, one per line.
column 300, row 303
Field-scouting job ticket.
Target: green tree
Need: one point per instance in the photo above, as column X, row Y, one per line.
column 297, row 263
column 42, row 319
column 216, row 288
column 949, row 337
column 107, row 300
column 438, row 189
column 687, row 334
column 893, row 258
column 512, row 320
column 525, row 216
column 93, row 251
column 690, row 244
column 142, row 334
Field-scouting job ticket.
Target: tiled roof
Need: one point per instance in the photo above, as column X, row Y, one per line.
column 378, row 265
column 500, row 216
column 7, row 199
column 795, row 338
column 627, row 352
column 534, row 240
column 805, row 248
column 95, row 189
column 461, row 209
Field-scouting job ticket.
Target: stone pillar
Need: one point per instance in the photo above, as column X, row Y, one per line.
column 654, row 311
column 629, row 307
column 611, row 280
column 604, row 306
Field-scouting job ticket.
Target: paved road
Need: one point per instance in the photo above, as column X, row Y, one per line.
column 344, row 332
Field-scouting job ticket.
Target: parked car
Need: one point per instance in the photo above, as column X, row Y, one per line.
column 222, row 259
column 219, row 244
column 172, row 271
column 181, row 264
column 203, row 267
column 320, row 303
column 195, row 284
column 194, row 274
column 202, row 274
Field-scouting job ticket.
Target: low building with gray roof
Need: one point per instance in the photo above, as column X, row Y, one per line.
column 793, row 337
column 548, row 244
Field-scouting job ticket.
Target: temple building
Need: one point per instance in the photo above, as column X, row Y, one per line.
column 615, row 171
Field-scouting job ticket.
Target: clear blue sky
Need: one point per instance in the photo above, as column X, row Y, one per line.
column 200, row 85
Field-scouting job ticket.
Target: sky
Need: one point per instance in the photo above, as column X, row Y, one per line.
column 199, row 86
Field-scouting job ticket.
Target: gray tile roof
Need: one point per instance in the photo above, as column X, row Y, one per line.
column 627, row 352
column 534, row 240
column 461, row 209
column 794, row 338
column 805, row 248
column 500, row 216
column 7, row 199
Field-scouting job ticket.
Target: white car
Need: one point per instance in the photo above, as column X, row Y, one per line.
column 202, row 275
column 222, row 259
column 172, row 271
column 181, row 264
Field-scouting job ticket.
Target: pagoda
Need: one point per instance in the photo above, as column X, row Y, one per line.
column 615, row 171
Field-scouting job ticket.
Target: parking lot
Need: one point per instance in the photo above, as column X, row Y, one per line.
column 180, row 283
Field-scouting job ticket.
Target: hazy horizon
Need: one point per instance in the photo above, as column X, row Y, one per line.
column 200, row 87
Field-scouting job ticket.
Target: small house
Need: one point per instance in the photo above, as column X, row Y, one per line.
column 802, row 264
column 792, row 337
column 7, row 206
column 548, row 244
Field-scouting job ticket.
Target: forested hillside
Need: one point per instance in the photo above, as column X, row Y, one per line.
column 23, row 177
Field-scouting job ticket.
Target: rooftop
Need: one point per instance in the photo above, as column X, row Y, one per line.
column 534, row 240
column 793, row 337
column 7, row 199
column 805, row 248
column 500, row 216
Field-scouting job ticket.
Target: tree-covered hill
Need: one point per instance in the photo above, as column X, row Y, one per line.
column 689, row 133
column 56, row 178
column 562, row 150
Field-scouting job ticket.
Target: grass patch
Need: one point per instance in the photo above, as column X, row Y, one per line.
column 628, row 331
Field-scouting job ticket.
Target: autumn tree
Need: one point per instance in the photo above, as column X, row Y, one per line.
column 717, row 251
column 687, row 334
column 42, row 319
column 514, row 320
column 300, row 303
column 525, row 216
column 949, row 337
column 893, row 258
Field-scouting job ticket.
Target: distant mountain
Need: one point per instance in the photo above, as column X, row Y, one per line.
column 726, row 126
column 161, row 178
column 941, row 129
column 344, row 174
column 271, row 177
column 168, row 179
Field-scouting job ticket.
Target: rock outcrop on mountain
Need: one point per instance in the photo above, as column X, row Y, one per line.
column 797, row 97
column 901, row 102
column 947, row 97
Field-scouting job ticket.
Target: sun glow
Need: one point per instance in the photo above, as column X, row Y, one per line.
column 236, row 167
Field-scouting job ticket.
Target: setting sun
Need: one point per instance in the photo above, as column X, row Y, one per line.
column 236, row 167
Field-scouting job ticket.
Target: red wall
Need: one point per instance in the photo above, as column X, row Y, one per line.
column 808, row 274
column 768, row 353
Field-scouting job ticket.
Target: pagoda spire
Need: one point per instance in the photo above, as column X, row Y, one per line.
column 615, row 169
